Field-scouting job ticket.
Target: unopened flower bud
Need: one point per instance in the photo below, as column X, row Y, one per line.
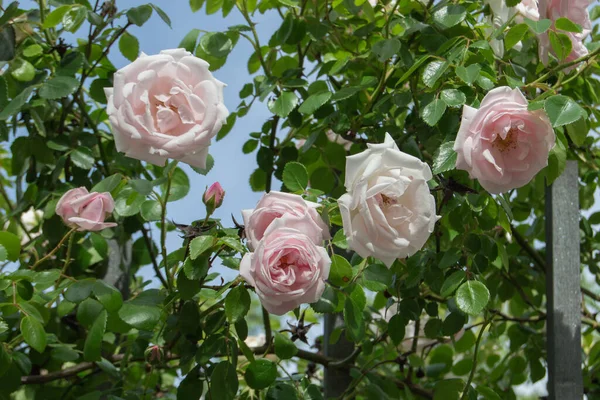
column 213, row 197
column 154, row 355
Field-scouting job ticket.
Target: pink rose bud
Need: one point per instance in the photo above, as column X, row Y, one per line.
column 213, row 197
column 154, row 355
column 502, row 144
column 287, row 268
column 86, row 211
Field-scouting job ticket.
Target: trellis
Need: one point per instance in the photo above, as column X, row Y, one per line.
column 563, row 292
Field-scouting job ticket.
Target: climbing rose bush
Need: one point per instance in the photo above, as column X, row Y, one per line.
column 403, row 151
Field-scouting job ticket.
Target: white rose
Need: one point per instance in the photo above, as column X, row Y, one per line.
column 388, row 212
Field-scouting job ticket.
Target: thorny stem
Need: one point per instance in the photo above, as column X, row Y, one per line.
column 54, row 250
column 163, row 230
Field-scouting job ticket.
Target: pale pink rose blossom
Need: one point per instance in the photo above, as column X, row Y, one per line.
column 527, row 9
column 388, row 212
column 165, row 106
column 577, row 12
column 214, row 195
column 86, row 211
column 502, row 144
column 287, row 268
column 301, row 214
column 335, row 138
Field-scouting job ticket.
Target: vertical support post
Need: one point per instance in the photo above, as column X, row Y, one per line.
column 119, row 264
column 563, row 287
column 337, row 380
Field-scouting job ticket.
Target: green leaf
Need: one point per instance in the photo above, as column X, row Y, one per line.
column 190, row 388
column 452, row 282
column 12, row 245
column 200, row 244
column 196, row 269
column 189, row 40
column 139, row 15
column 23, row 70
column 3, row 253
column 563, row 110
column 557, row 161
column 472, row 297
column 434, row 71
column 93, row 342
column 56, row 16
column 210, row 163
column 561, row 44
column 212, row 6
column 261, row 374
column 314, row 102
column 73, row 19
column 33, row 50
column 33, row 333
column 140, row 316
column 354, row 319
column 468, row 74
column 195, row 5
column 129, row 46
column 565, row 24
column 223, row 382
column 444, row 158
column 163, row 15
column 396, row 329
column 216, row 44
column 487, row 393
column 295, row 176
column 284, row 104
column 341, row 271
column 578, row 131
column 540, row 26
column 83, row 158
column 386, row 49
column 108, row 295
column 284, row 347
column 453, row 97
column 376, row 277
column 58, row 87
column 237, row 303
column 80, row 290
column 514, row 36
column 5, row 359
column 188, row 288
column 449, row 16
column 151, row 210
column 282, row 391
column 433, row 112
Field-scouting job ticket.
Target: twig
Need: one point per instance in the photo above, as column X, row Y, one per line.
column 163, row 228
column 84, row 366
column 474, row 367
column 539, row 261
column 153, row 257
column 54, row 250
column 267, row 322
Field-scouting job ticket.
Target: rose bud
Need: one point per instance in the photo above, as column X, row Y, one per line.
column 86, row 211
column 213, row 197
column 154, row 355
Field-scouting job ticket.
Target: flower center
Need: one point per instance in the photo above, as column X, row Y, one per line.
column 507, row 144
column 385, row 201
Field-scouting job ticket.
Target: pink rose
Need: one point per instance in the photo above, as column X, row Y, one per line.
column 302, row 215
column 577, row 12
column 528, row 9
column 503, row 144
column 87, row 211
column 287, row 268
column 214, row 195
column 335, row 138
column 388, row 212
column 166, row 106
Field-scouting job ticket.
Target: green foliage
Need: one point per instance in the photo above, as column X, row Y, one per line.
column 336, row 75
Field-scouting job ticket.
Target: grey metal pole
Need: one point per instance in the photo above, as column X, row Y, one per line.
column 563, row 287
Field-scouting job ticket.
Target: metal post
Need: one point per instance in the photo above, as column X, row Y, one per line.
column 337, row 380
column 119, row 264
column 563, row 287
